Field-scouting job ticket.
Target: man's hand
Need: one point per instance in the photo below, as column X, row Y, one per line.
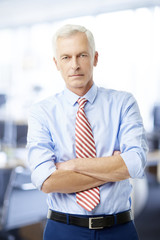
column 68, row 165
column 116, row 152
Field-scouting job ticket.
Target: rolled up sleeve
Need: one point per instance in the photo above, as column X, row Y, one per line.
column 41, row 157
column 132, row 138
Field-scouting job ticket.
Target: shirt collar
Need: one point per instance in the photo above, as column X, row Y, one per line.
column 72, row 97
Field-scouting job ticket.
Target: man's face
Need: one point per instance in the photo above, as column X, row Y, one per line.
column 75, row 61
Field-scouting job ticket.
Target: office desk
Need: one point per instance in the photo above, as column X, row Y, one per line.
column 13, row 157
column 154, row 160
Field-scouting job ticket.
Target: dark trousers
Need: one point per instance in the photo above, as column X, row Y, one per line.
column 60, row 231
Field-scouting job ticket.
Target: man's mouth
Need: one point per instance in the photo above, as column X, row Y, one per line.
column 76, row 75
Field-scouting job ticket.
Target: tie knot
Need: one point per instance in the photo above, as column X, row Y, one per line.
column 82, row 102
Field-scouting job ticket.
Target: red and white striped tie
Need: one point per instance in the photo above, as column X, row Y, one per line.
column 85, row 148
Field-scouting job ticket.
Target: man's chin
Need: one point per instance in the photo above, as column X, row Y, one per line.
column 78, row 83
column 79, row 87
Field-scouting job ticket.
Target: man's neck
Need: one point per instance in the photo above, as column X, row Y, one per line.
column 81, row 91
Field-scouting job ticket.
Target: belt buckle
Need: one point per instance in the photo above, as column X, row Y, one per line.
column 91, row 223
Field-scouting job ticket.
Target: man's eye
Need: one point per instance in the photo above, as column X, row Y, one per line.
column 65, row 58
column 83, row 55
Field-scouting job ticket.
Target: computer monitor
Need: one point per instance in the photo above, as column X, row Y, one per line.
column 3, row 99
column 156, row 117
column 2, row 130
column 21, row 135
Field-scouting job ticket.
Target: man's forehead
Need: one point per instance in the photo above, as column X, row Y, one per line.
column 72, row 35
column 79, row 36
column 78, row 42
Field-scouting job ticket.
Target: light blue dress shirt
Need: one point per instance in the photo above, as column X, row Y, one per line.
column 116, row 124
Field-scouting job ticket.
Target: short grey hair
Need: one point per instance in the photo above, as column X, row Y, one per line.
column 69, row 30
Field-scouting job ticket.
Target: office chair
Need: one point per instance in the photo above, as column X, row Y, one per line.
column 5, row 174
column 23, row 204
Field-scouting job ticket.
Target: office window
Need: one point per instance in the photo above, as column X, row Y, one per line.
column 129, row 52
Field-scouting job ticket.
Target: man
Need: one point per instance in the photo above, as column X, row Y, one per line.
column 84, row 145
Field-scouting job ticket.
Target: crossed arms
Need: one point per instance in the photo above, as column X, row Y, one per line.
column 84, row 173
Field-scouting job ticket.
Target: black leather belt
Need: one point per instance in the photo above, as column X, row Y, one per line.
column 98, row 222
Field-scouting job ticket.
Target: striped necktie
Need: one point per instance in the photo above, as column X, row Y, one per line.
column 85, row 148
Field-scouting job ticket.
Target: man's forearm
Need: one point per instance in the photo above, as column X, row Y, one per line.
column 84, row 173
column 107, row 169
column 66, row 181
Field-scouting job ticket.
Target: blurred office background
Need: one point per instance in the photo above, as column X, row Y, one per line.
column 127, row 36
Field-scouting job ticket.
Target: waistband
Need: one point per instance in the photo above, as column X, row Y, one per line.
column 98, row 222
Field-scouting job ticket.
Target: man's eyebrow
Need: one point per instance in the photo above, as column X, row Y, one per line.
column 64, row 54
column 84, row 52
column 67, row 54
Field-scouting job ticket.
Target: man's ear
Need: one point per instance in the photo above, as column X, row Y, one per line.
column 95, row 59
column 55, row 61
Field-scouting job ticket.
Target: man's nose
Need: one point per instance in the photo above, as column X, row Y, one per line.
column 74, row 63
